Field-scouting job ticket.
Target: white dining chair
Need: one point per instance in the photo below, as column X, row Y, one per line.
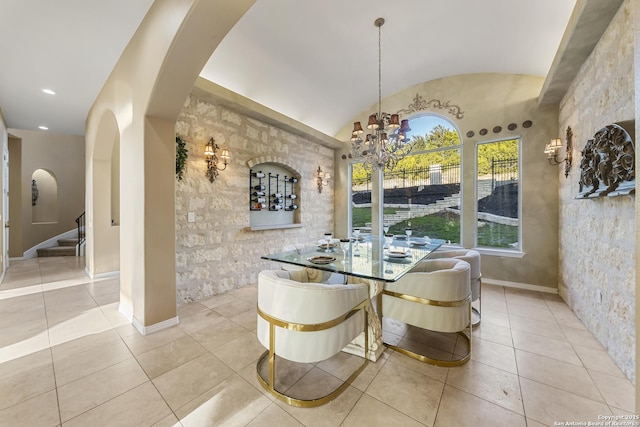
column 436, row 296
column 306, row 322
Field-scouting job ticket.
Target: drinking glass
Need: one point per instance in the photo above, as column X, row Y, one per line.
column 388, row 239
column 327, row 238
column 408, row 232
column 385, row 227
column 344, row 245
column 356, row 234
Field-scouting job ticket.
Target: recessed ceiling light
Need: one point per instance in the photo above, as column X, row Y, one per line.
column 48, row 91
column 43, row 127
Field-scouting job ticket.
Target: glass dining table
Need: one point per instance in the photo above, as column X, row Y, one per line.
column 370, row 257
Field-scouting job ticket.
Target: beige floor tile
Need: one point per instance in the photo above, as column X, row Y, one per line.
column 531, row 300
column 169, row 356
column 190, row 309
column 26, row 377
column 249, row 375
column 188, row 381
column 86, row 355
column 489, row 383
column 545, row 328
column 138, row 407
column 22, row 347
column 407, row 391
column 494, row 304
column 547, row 404
column 581, row 337
column 247, row 294
column 549, row 347
column 169, row 421
column 206, row 319
column 499, row 318
column 368, row 374
column 315, row 384
column 441, row 341
column 21, row 305
column 9, row 294
column 373, row 413
column 248, row 319
column 330, row 414
column 244, row 350
column 618, row 392
column 93, row 390
column 89, row 322
column 490, row 332
column 535, row 313
column 20, row 280
column 274, row 416
column 222, row 333
column 234, row 402
column 39, row 411
column 532, row 423
column 461, row 409
column 139, row 344
column 565, row 317
column 494, row 354
column 558, row 374
column 598, row 360
column 436, row 372
column 234, row 308
column 113, row 315
column 219, row 300
column 22, row 330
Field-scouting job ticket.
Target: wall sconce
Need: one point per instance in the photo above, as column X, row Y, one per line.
column 323, row 179
column 210, row 153
column 552, row 149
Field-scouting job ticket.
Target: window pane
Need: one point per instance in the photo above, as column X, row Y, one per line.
column 423, row 190
column 360, row 196
column 498, row 194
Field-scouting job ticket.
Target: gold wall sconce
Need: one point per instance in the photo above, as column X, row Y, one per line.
column 552, row 150
column 323, row 179
column 211, row 155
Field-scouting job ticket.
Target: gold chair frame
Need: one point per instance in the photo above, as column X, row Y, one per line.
column 269, row 384
column 421, row 357
column 476, row 310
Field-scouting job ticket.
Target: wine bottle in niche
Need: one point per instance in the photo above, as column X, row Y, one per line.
column 276, row 207
column 258, row 174
column 292, row 196
column 277, row 195
column 259, row 187
column 292, row 207
column 260, row 200
column 292, row 179
column 278, row 201
column 258, row 193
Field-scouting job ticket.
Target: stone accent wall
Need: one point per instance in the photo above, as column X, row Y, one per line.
column 597, row 236
column 218, row 252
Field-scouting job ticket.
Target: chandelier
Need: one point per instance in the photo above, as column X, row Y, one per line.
column 387, row 143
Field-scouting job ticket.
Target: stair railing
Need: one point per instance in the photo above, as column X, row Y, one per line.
column 80, row 221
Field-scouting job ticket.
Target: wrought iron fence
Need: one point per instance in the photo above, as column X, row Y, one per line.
column 503, row 171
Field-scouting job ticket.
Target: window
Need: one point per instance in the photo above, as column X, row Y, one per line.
column 424, row 188
column 498, row 194
column 360, row 196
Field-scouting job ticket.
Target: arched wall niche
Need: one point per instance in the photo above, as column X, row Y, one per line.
column 274, row 193
column 44, row 197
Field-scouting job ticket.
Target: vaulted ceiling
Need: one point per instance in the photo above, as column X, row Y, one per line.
column 315, row 61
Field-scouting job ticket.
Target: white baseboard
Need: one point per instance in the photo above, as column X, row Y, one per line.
column 107, row 275
column 146, row 330
column 518, row 285
column 16, row 258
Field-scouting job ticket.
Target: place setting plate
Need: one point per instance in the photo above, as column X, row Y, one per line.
column 321, row 259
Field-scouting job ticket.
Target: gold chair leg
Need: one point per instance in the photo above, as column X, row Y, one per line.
column 475, row 310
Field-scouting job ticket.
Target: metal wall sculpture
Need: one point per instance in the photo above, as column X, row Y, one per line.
column 608, row 164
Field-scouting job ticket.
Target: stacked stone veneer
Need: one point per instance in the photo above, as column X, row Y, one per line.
column 597, row 236
column 218, row 252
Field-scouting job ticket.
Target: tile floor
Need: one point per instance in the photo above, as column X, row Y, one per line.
column 67, row 357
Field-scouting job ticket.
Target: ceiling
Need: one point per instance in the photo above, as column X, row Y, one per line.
column 315, row 61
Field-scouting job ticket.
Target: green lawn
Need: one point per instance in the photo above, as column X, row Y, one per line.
column 446, row 226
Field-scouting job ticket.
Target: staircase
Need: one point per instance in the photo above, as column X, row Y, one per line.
column 66, row 247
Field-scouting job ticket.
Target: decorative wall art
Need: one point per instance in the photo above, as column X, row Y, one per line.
column 607, row 167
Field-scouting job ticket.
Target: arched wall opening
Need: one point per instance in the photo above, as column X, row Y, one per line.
column 44, row 197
